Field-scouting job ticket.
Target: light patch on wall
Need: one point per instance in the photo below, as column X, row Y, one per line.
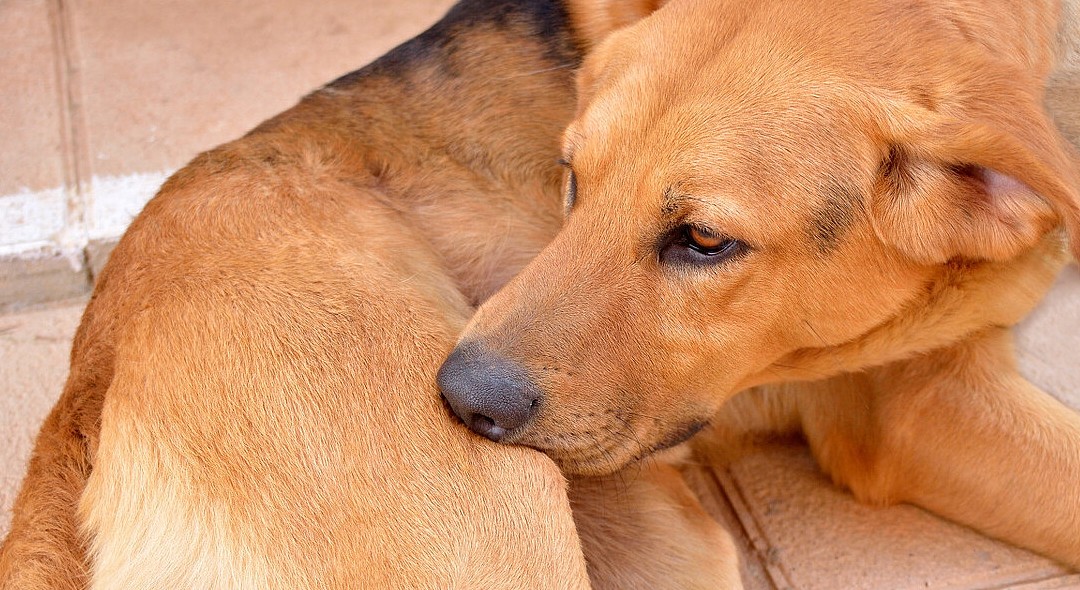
column 33, row 220
column 116, row 200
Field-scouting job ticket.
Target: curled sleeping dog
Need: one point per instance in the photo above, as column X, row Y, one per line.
column 252, row 398
column 838, row 209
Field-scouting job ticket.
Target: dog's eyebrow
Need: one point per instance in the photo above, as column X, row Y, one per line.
column 672, row 202
column 675, row 203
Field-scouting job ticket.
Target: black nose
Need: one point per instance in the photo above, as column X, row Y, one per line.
column 491, row 394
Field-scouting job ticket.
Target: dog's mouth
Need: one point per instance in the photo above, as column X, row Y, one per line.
column 680, row 436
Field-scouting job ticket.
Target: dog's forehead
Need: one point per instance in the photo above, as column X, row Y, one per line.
column 745, row 104
column 708, row 140
column 774, row 168
column 760, row 126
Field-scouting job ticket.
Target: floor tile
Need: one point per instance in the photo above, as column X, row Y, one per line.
column 821, row 539
column 31, row 145
column 162, row 81
column 753, row 558
column 42, row 274
column 31, row 218
column 1048, row 340
column 34, row 346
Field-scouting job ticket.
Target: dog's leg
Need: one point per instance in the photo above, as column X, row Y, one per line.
column 44, row 549
column 644, row 528
column 961, row 433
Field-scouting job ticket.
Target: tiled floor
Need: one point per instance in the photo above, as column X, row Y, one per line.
column 105, row 97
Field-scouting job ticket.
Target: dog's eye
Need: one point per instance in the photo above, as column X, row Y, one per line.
column 571, row 185
column 693, row 244
column 704, row 241
column 571, row 189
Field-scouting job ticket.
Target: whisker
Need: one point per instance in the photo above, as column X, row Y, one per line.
column 813, row 331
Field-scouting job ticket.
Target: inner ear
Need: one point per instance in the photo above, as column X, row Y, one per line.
column 935, row 211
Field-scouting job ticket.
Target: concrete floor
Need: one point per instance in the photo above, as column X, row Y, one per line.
column 114, row 94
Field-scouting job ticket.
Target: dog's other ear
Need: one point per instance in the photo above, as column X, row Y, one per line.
column 983, row 187
column 596, row 19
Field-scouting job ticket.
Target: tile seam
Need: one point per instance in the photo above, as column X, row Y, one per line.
column 73, row 238
column 1035, row 583
column 758, row 540
column 59, row 51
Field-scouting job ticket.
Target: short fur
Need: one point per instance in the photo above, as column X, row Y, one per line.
column 251, row 401
column 900, row 190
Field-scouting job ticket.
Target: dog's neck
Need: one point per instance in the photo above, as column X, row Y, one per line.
column 961, row 299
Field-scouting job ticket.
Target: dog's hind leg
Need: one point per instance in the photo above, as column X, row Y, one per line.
column 957, row 431
column 644, row 528
column 44, row 549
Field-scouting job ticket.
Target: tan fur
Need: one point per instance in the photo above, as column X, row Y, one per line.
column 599, row 18
column 251, row 401
column 902, row 193
column 645, row 528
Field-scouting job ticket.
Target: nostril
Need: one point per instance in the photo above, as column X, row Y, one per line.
column 491, row 394
column 482, row 422
column 487, row 427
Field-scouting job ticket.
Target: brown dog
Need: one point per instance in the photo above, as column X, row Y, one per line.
column 856, row 199
column 252, row 400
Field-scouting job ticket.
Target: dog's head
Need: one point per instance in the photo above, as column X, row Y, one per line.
column 745, row 183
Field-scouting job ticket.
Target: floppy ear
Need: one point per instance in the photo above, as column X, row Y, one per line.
column 974, row 189
column 593, row 20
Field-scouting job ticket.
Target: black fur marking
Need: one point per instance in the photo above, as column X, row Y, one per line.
column 831, row 221
column 546, row 20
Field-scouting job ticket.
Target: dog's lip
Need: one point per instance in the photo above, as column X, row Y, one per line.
column 600, row 462
column 677, row 437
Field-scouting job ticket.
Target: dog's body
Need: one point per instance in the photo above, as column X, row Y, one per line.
column 838, row 208
column 252, row 402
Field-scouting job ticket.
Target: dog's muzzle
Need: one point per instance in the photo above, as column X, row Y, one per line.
column 492, row 395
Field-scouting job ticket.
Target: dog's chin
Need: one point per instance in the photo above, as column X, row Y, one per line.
column 594, row 460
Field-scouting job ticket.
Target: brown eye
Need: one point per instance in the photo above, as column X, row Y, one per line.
column 695, row 245
column 571, row 189
column 703, row 241
column 571, row 185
